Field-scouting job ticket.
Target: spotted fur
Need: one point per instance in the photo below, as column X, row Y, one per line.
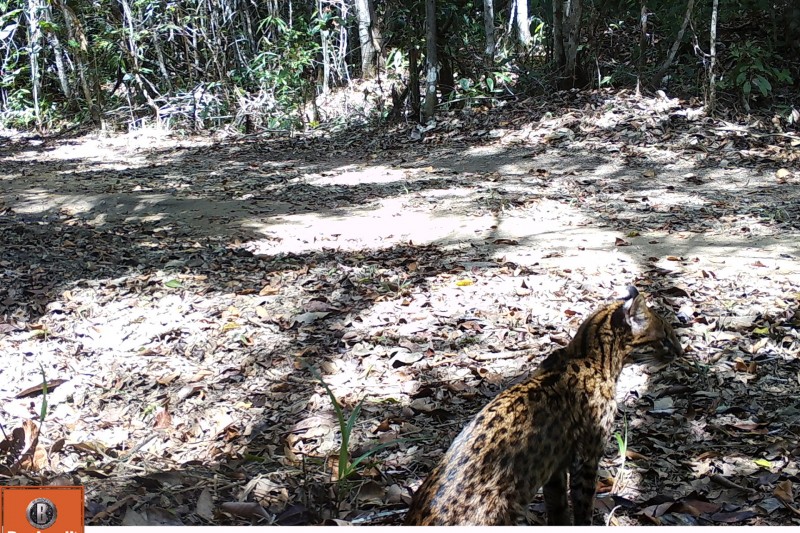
column 548, row 431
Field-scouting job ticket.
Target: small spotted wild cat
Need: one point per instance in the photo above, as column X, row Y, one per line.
column 556, row 422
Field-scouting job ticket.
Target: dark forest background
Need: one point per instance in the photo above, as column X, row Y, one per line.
column 272, row 65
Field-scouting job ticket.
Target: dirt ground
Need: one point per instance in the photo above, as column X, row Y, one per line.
column 173, row 292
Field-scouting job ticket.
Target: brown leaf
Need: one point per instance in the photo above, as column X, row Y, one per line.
column 269, row 290
column 703, row 506
column 163, row 420
column 38, row 389
column 169, row 378
column 205, row 505
column 250, row 510
column 21, row 450
column 371, row 493
column 270, row 494
column 783, row 491
column 318, row 306
column 677, row 291
column 621, row 242
column 635, row 456
column 200, row 375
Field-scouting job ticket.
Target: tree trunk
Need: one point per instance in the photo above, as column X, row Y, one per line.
column 89, row 84
column 162, row 65
column 133, row 51
column 368, row 51
column 566, row 39
column 711, row 102
column 558, row 35
column 58, row 52
column 324, row 35
column 642, row 43
column 34, row 47
column 377, row 35
column 431, row 62
column 656, row 81
column 488, row 30
column 369, row 38
column 522, row 23
column 413, row 81
column 573, row 13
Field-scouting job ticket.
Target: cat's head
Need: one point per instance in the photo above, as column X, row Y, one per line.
column 654, row 341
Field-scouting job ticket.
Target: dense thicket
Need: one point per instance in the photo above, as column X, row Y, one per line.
column 261, row 65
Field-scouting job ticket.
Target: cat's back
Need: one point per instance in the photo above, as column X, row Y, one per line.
column 499, row 459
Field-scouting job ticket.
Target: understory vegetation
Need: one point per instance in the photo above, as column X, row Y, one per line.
column 261, row 67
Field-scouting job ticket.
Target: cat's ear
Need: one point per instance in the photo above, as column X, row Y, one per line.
column 637, row 315
column 632, row 292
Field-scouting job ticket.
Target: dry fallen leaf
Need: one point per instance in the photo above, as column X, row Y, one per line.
column 250, row 510
column 205, row 505
column 783, row 491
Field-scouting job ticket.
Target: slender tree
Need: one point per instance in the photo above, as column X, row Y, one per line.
column 488, row 30
column 431, row 62
column 369, row 37
column 642, row 43
column 662, row 71
column 57, row 50
column 566, row 39
column 712, row 75
column 522, row 23
column 33, row 13
column 90, row 87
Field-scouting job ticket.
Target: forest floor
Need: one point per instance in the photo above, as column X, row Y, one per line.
column 174, row 291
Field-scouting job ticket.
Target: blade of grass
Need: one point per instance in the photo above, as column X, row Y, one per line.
column 43, row 410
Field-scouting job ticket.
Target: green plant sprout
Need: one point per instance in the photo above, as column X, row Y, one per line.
column 346, row 467
column 622, row 447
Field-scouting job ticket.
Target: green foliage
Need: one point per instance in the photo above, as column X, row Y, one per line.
column 263, row 63
column 284, row 66
column 622, row 449
column 43, row 409
column 753, row 69
column 10, row 50
column 491, row 85
column 19, row 111
column 347, row 467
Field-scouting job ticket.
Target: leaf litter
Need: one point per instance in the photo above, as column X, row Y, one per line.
column 164, row 306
